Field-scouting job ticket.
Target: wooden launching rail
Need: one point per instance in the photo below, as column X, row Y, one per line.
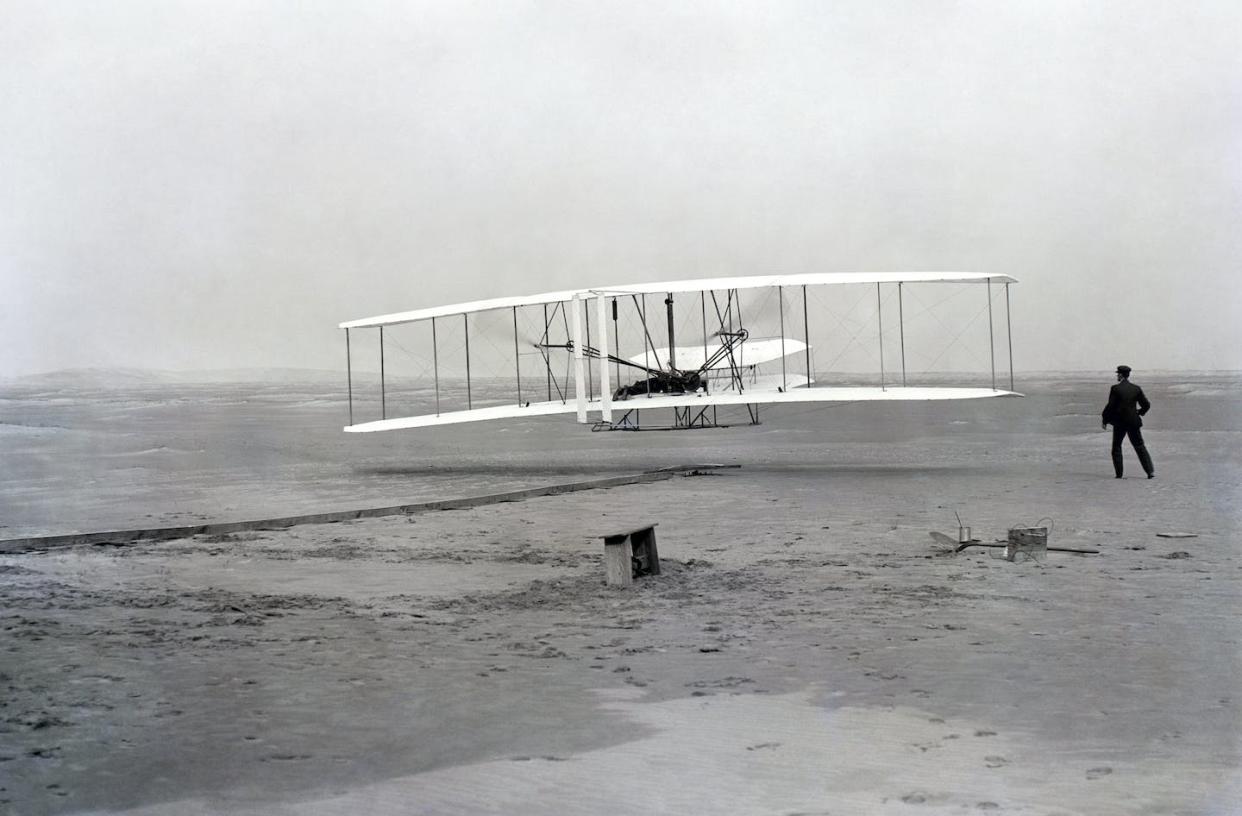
column 14, row 546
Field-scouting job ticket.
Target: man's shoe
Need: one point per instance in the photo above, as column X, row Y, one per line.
column 1151, row 475
column 1119, row 476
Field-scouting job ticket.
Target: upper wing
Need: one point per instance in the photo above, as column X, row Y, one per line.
column 701, row 285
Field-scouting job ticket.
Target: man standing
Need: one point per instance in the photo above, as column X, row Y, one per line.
column 1126, row 406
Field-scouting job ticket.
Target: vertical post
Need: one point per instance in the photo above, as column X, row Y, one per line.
column 517, row 358
column 586, row 306
column 901, row 323
column 646, row 359
column 349, row 377
column 991, row 340
column 465, row 318
column 703, row 311
column 435, row 363
column 879, row 311
column 616, row 343
column 383, row 393
column 672, row 344
column 1009, row 331
column 780, row 297
column 579, row 360
column 546, row 363
column 742, row 348
column 605, row 388
column 806, row 335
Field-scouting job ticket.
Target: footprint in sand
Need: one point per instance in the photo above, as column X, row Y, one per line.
column 1096, row 773
column 995, row 761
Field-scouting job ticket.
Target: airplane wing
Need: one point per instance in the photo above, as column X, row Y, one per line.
column 580, row 329
column 699, row 400
column 700, row 285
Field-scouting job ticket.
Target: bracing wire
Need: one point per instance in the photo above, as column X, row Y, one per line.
column 956, row 338
column 863, row 325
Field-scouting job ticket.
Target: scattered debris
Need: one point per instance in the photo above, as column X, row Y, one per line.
column 947, row 542
column 1029, row 541
column 954, row 547
column 963, row 532
column 1176, row 555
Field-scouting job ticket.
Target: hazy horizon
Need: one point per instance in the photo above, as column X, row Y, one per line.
column 274, row 374
column 196, row 185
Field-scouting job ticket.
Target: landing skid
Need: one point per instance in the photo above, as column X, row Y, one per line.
column 684, row 419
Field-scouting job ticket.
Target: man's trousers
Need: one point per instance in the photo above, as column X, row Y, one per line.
column 1136, row 439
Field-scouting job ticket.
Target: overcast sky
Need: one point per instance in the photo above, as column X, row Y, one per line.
column 217, row 185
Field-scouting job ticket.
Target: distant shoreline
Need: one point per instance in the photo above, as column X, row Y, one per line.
column 120, row 377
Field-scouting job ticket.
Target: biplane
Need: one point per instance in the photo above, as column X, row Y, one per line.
column 723, row 343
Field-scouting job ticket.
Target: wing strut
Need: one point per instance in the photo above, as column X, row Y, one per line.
column 586, row 307
column 780, row 296
column 616, row 342
column 901, row 324
column 546, row 361
column 672, row 346
column 879, row 313
column 1009, row 331
column 517, row 358
column 435, row 363
column 605, row 388
column 806, row 335
column 544, row 346
column 465, row 318
column 646, row 336
column 703, row 313
column 579, row 360
column 991, row 341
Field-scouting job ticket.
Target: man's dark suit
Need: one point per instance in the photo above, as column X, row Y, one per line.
column 1126, row 406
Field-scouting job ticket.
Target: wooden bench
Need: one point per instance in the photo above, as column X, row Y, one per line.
column 629, row 554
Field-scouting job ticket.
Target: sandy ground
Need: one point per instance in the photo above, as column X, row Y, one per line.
column 806, row 650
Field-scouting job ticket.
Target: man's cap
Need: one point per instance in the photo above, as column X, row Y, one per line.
column 1123, row 369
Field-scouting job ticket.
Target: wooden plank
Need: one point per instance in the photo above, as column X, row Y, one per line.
column 629, row 531
column 618, row 561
